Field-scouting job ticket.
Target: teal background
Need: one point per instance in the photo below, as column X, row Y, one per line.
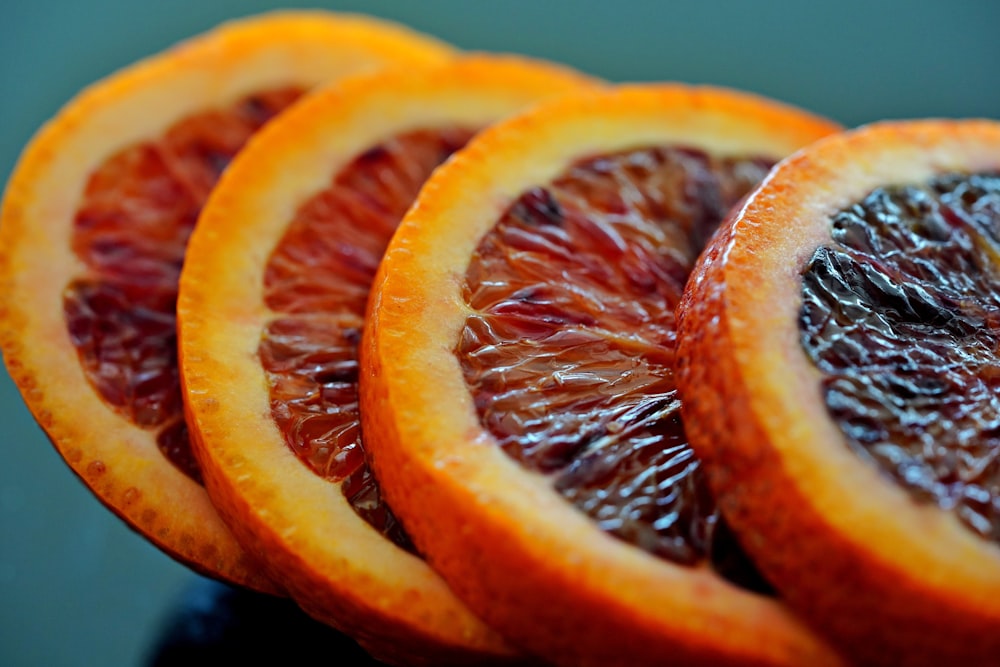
column 76, row 586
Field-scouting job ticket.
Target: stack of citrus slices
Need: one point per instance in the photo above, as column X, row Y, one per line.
column 513, row 430
column 271, row 312
column 95, row 221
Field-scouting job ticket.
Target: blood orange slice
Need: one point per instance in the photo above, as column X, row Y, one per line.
column 271, row 311
column 94, row 227
column 517, row 388
column 840, row 340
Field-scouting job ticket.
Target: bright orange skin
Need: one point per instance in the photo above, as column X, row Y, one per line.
column 519, row 555
column 891, row 581
column 334, row 564
column 118, row 460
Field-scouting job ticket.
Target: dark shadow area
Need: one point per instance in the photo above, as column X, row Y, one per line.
column 216, row 624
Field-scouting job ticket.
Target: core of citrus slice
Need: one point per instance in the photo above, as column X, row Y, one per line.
column 517, row 388
column 93, row 233
column 838, row 346
column 271, row 311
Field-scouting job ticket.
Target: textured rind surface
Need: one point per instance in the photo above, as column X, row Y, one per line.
column 527, row 562
column 118, row 461
column 891, row 581
column 336, row 566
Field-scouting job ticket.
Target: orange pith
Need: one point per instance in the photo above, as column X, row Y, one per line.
column 271, row 305
column 890, row 576
column 530, row 563
column 569, row 348
column 93, row 228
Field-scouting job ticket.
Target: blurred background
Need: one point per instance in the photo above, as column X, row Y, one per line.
column 76, row 586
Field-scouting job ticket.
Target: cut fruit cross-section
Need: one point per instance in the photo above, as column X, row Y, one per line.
column 92, row 238
column 517, row 379
column 840, row 373
column 271, row 312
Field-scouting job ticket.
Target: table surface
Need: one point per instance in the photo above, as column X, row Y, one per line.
column 76, row 586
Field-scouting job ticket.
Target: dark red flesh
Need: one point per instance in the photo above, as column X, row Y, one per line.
column 317, row 282
column 131, row 230
column 901, row 313
column 570, row 352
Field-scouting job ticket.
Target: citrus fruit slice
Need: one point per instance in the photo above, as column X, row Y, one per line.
column 94, row 226
column 517, row 390
column 271, row 309
column 839, row 347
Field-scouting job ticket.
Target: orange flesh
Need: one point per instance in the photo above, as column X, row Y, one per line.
column 131, row 232
column 570, row 352
column 317, row 283
column 901, row 315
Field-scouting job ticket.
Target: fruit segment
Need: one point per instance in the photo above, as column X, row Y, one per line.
column 838, row 340
column 569, row 354
column 316, row 283
column 900, row 314
column 517, row 391
column 131, row 231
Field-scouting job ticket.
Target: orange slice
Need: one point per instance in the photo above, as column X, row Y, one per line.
column 271, row 309
column 517, row 390
column 841, row 345
column 94, row 226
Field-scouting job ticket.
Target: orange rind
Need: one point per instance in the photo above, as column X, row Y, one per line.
column 522, row 557
column 891, row 576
